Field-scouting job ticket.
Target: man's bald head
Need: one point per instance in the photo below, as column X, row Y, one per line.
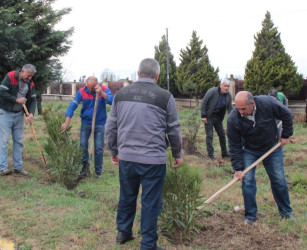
column 91, row 82
column 244, row 101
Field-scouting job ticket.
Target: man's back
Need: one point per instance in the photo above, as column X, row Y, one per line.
column 142, row 117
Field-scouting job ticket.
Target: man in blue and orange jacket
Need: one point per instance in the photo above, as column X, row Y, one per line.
column 87, row 95
column 16, row 89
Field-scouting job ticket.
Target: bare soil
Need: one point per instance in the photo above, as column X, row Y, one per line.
column 227, row 231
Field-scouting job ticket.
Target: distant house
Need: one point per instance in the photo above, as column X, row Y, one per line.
column 70, row 89
column 115, row 86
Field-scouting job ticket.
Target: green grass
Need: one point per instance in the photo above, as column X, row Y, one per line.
column 38, row 215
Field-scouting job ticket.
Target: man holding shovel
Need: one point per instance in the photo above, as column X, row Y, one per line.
column 17, row 89
column 87, row 95
column 251, row 131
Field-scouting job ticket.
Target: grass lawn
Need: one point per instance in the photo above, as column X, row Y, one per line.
column 35, row 214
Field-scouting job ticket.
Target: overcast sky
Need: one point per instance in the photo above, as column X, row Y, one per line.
column 118, row 34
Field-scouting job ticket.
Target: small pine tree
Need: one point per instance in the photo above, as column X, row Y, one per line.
column 181, row 197
column 195, row 67
column 161, row 57
column 64, row 154
column 190, row 126
column 270, row 66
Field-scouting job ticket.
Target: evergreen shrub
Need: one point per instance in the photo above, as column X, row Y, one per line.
column 64, row 154
column 190, row 126
column 181, row 197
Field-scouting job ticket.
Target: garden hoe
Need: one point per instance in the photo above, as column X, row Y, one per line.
column 38, row 145
column 234, row 180
column 91, row 150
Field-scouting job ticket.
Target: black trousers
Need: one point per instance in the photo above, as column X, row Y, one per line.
column 216, row 122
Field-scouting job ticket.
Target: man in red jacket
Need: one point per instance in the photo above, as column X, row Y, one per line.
column 16, row 89
column 87, row 95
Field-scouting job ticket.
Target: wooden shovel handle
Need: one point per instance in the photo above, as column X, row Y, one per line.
column 234, row 180
column 38, row 145
column 93, row 125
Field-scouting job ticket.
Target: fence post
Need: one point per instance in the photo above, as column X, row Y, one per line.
column 73, row 89
column 106, row 83
column 232, row 87
column 126, row 82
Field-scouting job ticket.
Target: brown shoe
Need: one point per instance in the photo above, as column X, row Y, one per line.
column 5, row 171
column 21, row 171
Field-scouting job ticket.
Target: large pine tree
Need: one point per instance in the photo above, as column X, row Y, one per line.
column 195, row 69
column 161, row 57
column 28, row 36
column 270, row 66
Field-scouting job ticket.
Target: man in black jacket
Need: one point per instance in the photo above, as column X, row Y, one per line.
column 16, row 89
column 214, row 105
column 252, row 131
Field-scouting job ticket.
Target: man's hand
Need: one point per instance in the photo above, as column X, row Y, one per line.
column 204, row 120
column 21, row 100
column 99, row 90
column 30, row 118
column 239, row 175
column 284, row 141
column 115, row 159
column 65, row 125
column 178, row 162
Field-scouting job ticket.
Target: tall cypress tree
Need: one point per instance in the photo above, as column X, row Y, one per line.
column 195, row 68
column 270, row 66
column 28, row 36
column 161, row 57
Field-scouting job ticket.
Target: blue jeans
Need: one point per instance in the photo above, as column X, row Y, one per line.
column 215, row 121
column 151, row 177
column 274, row 167
column 11, row 123
column 98, row 145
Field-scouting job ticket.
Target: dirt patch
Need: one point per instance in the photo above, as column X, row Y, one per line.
column 288, row 162
column 227, row 231
column 293, row 140
column 301, row 156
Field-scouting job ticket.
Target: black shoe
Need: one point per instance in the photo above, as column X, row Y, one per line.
column 122, row 238
column 21, row 171
column 212, row 158
column 82, row 174
column 248, row 222
column 225, row 155
column 291, row 217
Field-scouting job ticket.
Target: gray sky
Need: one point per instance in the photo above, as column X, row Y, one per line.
column 118, row 34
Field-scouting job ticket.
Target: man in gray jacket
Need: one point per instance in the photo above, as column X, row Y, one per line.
column 142, row 119
column 213, row 108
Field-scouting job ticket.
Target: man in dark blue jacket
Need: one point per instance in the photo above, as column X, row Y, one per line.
column 87, row 95
column 252, row 131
